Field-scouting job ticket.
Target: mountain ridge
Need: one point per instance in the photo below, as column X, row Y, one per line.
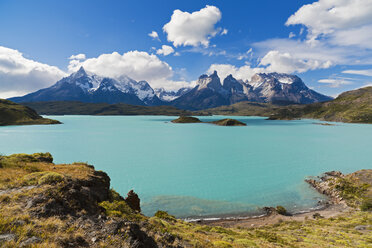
column 87, row 87
column 274, row 88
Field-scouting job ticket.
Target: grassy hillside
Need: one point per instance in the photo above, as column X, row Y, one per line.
column 353, row 106
column 43, row 204
column 15, row 114
column 80, row 108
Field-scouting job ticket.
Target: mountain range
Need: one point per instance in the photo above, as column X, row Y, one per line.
column 88, row 87
column 276, row 88
column 209, row 92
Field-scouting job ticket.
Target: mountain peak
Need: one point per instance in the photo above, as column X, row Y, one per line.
column 214, row 74
column 79, row 73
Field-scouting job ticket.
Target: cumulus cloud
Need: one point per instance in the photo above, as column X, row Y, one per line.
column 286, row 63
column 80, row 56
column 165, row 50
column 192, row 29
column 20, row 75
column 244, row 72
column 134, row 64
column 224, row 31
column 154, row 35
column 328, row 17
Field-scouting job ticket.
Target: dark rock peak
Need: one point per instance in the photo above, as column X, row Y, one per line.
column 133, row 201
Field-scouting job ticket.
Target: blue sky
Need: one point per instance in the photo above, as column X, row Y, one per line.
column 325, row 42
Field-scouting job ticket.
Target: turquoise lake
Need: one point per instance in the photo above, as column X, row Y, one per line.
column 202, row 169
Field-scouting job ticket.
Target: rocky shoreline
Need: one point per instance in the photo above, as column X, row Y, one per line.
column 334, row 206
column 43, row 204
column 324, row 183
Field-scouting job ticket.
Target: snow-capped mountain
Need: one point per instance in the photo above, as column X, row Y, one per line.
column 169, row 95
column 87, row 87
column 272, row 87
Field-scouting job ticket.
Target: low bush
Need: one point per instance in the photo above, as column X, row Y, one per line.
column 51, row 178
column 366, row 205
column 281, row 210
column 164, row 216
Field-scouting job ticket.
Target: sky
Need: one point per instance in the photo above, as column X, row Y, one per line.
column 170, row 43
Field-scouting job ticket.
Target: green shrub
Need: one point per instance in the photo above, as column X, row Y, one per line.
column 222, row 244
column 115, row 196
column 317, row 216
column 44, row 177
column 116, row 208
column 281, row 210
column 51, row 178
column 366, row 205
column 164, row 215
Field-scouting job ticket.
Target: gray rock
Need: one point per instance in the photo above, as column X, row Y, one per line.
column 362, row 227
column 7, row 237
column 30, row 241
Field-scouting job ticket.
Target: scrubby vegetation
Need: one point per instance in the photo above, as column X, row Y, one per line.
column 15, row 114
column 43, row 204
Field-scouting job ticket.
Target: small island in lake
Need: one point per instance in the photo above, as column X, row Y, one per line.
column 223, row 122
column 187, row 119
column 228, row 122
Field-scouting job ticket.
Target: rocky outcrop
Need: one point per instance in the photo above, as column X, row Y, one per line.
column 133, row 201
column 325, row 185
column 74, row 198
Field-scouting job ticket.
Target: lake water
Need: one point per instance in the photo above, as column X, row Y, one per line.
column 202, row 169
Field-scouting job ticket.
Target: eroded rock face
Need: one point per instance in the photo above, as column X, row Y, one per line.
column 74, row 197
column 133, row 201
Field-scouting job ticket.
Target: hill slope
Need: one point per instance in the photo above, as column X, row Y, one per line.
column 15, row 114
column 353, row 106
column 80, row 108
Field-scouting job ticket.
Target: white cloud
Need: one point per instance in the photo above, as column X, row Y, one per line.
column 224, row 31
column 286, row 63
column 134, row 64
column 359, row 72
column 291, row 35
column 335, row 82
column 359, row 36
column 329, row 17
column 80, row 56
column 192, row 29
column 244, row 72
column 368, row 84
column 20, row 75
column 165, row 50
column 154, row 35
